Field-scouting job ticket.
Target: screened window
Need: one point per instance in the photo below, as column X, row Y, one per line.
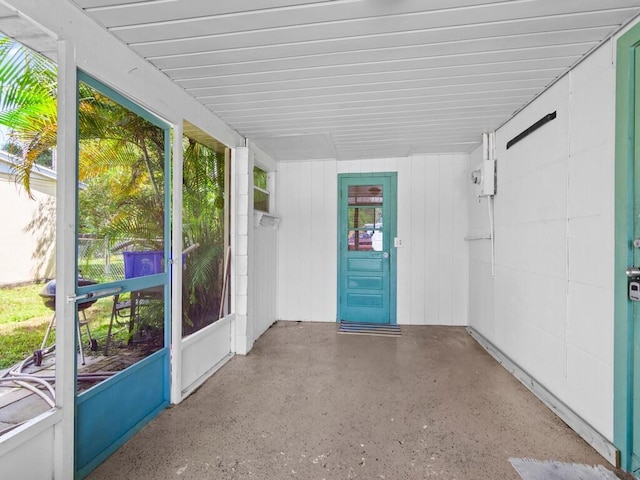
column 260, row 190
column 204, row 232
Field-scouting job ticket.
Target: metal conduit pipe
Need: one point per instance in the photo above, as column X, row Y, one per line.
column 81, row 376
column 492, row 236
column 32, row 388
column 27, row 380
column 31, row 378
column 17, row 376
column 50, row 401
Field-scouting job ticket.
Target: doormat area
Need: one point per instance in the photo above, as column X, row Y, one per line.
column 375, row 329
column 530, row 469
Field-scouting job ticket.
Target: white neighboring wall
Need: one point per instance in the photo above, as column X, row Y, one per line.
column 27, row 242
column 432, row 271
column 550, row 306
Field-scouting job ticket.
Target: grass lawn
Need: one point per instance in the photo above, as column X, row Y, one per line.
column 24, row 320
column 18, row 304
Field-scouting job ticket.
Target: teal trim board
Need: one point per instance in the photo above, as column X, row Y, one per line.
column 122, row 100
column 366, row 260
column 110, row 413
column 626, row 433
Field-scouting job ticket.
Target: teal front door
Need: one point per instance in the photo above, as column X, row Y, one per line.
column 366, row 284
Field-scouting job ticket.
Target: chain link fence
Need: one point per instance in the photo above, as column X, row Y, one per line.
column 99, row 262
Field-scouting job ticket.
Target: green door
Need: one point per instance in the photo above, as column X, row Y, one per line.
column 366, row 284
column 634, row 307
column 635, row 261
column 627, row 249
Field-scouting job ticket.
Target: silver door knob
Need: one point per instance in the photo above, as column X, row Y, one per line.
column 385, row 255
column 633, row 272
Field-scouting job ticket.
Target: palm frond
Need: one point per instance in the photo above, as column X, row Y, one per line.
column 27, row 103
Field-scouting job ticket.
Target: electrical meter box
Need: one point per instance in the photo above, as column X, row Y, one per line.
column 488, row 183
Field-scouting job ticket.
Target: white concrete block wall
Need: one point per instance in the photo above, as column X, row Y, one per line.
column 591, row 198
column 241, row 252
column 432, row 222
column 550, row 306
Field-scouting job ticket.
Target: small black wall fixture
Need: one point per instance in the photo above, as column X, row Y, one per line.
column 546, row 119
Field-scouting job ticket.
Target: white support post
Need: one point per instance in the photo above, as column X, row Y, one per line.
column 176, row 268
column 65, row 261
column 243, row 223
column 230, row 192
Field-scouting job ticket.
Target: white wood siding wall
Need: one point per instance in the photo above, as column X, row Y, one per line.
column 263, row 310
column 550, row 306
column 263, row 270
column 307, row 202
column 432, row 222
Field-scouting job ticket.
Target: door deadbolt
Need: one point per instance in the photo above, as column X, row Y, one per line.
column 633, row 272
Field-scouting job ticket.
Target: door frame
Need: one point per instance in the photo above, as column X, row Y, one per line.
column 393, row 261
column 625, row 144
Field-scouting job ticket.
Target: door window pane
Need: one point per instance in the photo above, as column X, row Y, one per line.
column 120, row 231
column 120, row 191
column 359, row 240
column 364, row 217
column 365, row 195
column 117, row 332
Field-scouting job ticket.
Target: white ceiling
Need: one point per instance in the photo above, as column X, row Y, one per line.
column 19, row 28
column 352, row 79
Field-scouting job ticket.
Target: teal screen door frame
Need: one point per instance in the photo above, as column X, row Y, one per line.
column 367, row 257
column 626, row 431
column 109, row 413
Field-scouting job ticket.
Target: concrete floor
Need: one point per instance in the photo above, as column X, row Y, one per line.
column 308, row 403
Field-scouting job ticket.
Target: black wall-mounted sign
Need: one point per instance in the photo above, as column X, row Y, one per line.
column 546, row 119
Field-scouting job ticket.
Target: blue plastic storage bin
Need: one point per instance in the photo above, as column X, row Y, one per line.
column 140, row 264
